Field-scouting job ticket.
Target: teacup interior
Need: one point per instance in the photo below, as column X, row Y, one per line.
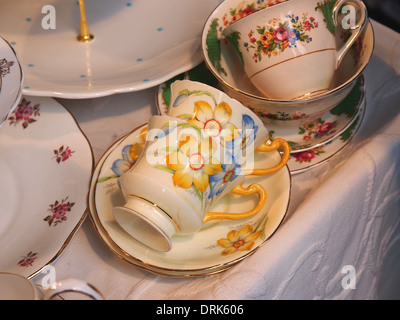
column 15, row 287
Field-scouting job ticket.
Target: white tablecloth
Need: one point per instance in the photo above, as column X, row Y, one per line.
column 345, row 212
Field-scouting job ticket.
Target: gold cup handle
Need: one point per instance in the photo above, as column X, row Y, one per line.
column 251, row 189
column 275, row 145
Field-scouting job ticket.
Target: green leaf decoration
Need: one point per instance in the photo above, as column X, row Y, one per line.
column 349, row 105
column 185, row 116
column 189, row 125
column 202, row 74
column 261, row 30
column 198, row 194
column 347, row 134
column 186, row 92
column 166, row 94
column 233, row 38
column 292, row 144
column 165, row 168
column 262, row 224
column 214, row 47
column 107, row 178
column 170, row 149
column 326, row 8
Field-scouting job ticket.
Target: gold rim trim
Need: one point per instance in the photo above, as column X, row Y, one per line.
column 293, row 58
column 21, row 81
column 158, row 207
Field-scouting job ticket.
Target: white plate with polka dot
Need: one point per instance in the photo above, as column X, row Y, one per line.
column 136, row 45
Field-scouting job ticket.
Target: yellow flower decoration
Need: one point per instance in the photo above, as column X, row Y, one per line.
column 136, row 150
column 193, row 163
column 241, row 240
column 311, row 125
column 214, row 122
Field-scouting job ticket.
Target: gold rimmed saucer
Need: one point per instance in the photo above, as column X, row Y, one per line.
column 205, row 252
column 310, row 158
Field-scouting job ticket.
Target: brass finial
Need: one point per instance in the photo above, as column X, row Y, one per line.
column 85, row 35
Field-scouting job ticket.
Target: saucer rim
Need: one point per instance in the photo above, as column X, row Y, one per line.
column 20, row 82
column 361, row 113
column 360, row 103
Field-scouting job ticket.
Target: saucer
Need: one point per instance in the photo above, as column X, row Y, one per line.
column 326, row 128
column 11, row 79
column 45, row 163
column 305, row 160
column 193, row 255
column 137, row 44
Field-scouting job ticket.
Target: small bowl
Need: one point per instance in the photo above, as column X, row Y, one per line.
column 11, row 78
column 222, row 62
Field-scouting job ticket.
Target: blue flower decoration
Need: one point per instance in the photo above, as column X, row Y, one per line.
column 246, row 135
column 229, row 172
column 120, row 166
column 295, row 35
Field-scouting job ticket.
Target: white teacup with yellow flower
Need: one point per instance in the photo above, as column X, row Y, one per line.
column 181, row 172
column 236, row 127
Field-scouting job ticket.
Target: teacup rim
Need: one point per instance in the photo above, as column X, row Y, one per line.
column 36, row 291
column 280, row 101
column 258, row 12
column 223, row 94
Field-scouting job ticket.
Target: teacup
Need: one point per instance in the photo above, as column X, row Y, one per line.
column 17, row 287
column 289, row 51
column 227, row 120
column 180, row 174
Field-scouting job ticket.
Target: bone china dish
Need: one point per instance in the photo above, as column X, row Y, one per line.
column 45, row 164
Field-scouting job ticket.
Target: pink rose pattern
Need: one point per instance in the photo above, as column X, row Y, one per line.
column 58, row 211
column 273, row 39
column 25, row 113
column 238, row 13
column 308, row 155
column 62, row 154
column 27, row 260
column 317, row 129
column 5, row 67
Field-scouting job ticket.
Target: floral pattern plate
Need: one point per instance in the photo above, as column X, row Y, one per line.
column 217, row 247
column 305, row 160
column 45, row 163
column 137, row 44
column 11, row 79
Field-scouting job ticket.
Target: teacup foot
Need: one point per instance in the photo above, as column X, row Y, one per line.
column 147, row 223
